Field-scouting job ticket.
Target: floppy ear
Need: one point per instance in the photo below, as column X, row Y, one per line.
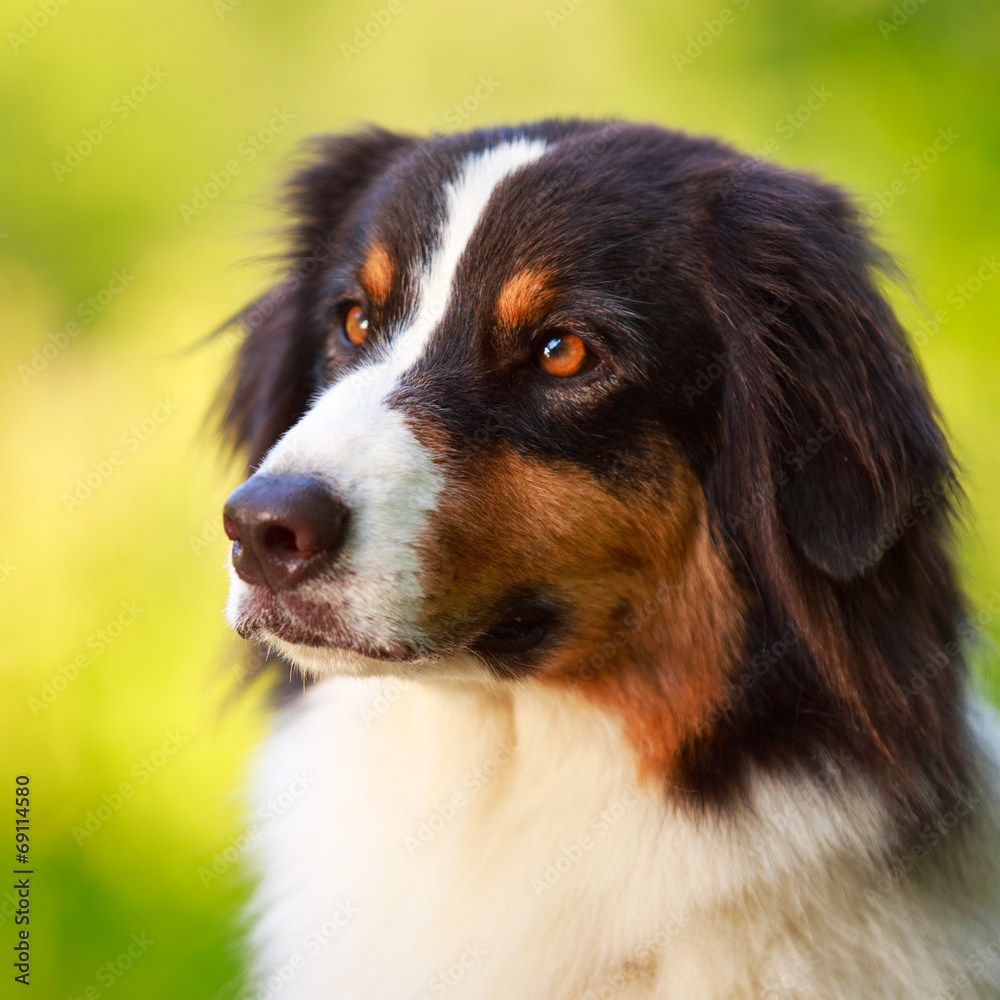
column 829, row 434
column 272, row 377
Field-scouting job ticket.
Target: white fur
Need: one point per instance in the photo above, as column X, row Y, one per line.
column 368, row 454
column 466, row 199
column 478, row 844
column 787, row 903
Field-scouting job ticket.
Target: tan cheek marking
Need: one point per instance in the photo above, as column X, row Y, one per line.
column 377, row 273
column 525, row 298
column 657, row 614
column 670, row 665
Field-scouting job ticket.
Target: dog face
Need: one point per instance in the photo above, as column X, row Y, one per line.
column 597, row 403
column 481, row 413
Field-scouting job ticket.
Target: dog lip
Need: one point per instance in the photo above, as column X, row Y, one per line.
column 518, row 623
column 264, row 615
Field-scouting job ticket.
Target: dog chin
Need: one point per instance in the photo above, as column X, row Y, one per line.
column 317, row 641
column 333, row 661
column 337, row 661
column 262, row 616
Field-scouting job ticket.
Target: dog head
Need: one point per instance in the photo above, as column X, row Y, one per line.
column 598, row 403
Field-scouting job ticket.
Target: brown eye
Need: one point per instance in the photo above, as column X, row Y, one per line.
column 356, row 325
column 565, row 355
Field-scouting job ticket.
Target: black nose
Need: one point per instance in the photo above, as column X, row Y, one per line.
column 285, row 529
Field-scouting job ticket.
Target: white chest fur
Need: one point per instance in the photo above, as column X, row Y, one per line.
column 455, row 842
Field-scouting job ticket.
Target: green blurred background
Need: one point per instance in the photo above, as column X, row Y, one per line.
column 113, row 117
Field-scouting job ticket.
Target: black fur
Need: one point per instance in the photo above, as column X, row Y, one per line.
column 740, row 307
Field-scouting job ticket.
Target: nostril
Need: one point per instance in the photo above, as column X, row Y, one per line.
column 281, row 542
column 231, row 528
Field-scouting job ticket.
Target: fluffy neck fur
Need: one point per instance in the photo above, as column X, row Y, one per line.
column 458, row 841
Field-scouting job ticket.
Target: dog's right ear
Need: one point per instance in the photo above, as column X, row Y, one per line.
column 271, row 380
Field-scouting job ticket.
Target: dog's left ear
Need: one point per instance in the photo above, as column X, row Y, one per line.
column 828, row 431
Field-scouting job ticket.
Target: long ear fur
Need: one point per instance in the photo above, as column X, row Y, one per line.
column 833, row 481
column 827, row 400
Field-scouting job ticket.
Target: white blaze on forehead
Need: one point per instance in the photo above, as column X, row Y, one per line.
column 467, row 198
column 365, row 450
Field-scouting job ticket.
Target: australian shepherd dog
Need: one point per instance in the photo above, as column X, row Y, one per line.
column 600, row 506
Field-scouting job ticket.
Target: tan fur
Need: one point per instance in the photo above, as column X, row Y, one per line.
column 377, row 273
column 654, row 611
column 525, row 298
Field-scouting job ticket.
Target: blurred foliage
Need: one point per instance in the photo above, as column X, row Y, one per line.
column 113, row 116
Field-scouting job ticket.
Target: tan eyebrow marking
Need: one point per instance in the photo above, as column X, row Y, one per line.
column 377, row 273
column 525, row 298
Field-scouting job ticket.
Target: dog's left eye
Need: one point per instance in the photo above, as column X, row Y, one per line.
column 565, row 354
column 353, row 323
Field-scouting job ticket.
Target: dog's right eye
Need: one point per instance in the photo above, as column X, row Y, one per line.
column 352, row 323
column 564, row 355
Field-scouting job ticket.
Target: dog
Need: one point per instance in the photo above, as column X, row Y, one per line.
column 600, row 498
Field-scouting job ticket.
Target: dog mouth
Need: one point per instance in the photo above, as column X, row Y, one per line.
column 263, row 615
column 510, row 637
column 519, row 625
